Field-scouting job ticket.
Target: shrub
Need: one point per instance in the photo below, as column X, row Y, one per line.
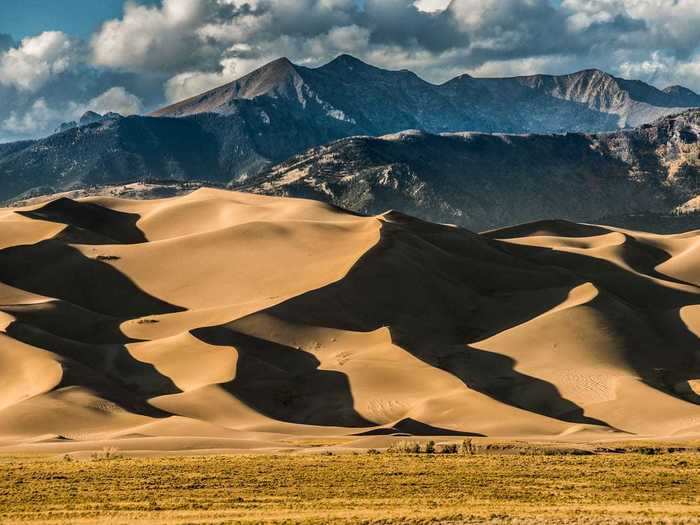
column 430, row 447
column 450, row 448
column 467, row 447
column 373, row 451
column 106, row 454
column 405, row 447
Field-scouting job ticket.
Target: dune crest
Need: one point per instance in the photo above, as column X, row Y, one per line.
column 242, row 320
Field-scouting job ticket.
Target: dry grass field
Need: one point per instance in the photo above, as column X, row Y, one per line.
column 353, row 488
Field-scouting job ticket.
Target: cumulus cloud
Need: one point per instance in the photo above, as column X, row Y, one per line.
column 29, row 66
column 664, row 70
column 37, row 118
column 161, row 38
column 190, row 83
column 203, row 43
column 117, row 100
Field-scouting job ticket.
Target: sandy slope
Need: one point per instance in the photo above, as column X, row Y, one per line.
column 236, row 321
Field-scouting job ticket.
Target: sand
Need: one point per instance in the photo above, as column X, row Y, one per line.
column 224, row 320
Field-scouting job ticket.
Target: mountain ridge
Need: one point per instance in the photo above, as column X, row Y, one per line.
column 644, row 179
column 283, row 110
column 483, row 181
column 631, row 101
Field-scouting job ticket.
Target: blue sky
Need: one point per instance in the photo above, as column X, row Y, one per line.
column 21, row 18
column 59, row 58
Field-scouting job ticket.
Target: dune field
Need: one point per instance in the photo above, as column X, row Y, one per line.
column 233, row 321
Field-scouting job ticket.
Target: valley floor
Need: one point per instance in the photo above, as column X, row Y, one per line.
column 528, row 486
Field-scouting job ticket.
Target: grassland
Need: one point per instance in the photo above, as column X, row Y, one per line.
column 354, row 488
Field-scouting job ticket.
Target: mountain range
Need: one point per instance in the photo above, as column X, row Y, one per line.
column 483, row 181
column 348, row 94
column 646, row 178
column 255, row 131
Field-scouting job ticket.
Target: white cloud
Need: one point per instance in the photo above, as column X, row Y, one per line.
column 37, row 119
column 29, row 66
column 192, row 83
column 41, row 119
column 432, row 6
column 116, row 99
column 664, row 70
column 200, row 44
column 152, row 38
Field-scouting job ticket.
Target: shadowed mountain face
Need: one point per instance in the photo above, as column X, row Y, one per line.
column 481, row 181
column 646, row 178
column 233, row 316
column 280, row 110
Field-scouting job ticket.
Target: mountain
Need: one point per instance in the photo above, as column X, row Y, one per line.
column 172, row 324
column 683, row 95
column 484, row 181
column 233, row 132
column 205, row 146
column 374, row 101
column 646, row 178
column 89, row 117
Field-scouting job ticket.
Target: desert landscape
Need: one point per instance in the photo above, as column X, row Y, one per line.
column 226, row 320
column 426, row 262
column 313, row 358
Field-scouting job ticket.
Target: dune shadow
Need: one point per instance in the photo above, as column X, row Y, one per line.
column 89, row 223
column 436, row 299
column 108, row 370
column 70, row 321
column 90, row 299
column 667, row 356
column 411, row 427
column 494, row 374
column 54, row 269
column 285, row 383
column 112, row 361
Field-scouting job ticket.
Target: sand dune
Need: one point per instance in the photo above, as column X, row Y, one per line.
column 237, row 321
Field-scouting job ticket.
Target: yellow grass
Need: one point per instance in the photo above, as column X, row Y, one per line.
column 360, row 488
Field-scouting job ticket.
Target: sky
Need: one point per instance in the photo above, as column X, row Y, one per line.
column 60, row 58
column 22, row 18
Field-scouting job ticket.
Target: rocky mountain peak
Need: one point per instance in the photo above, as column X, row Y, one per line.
column 682, row 95
column 587, row 100
column 346, row 61
column 87, row 118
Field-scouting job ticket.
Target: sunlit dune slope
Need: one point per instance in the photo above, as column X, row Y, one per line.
column 235, row 320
